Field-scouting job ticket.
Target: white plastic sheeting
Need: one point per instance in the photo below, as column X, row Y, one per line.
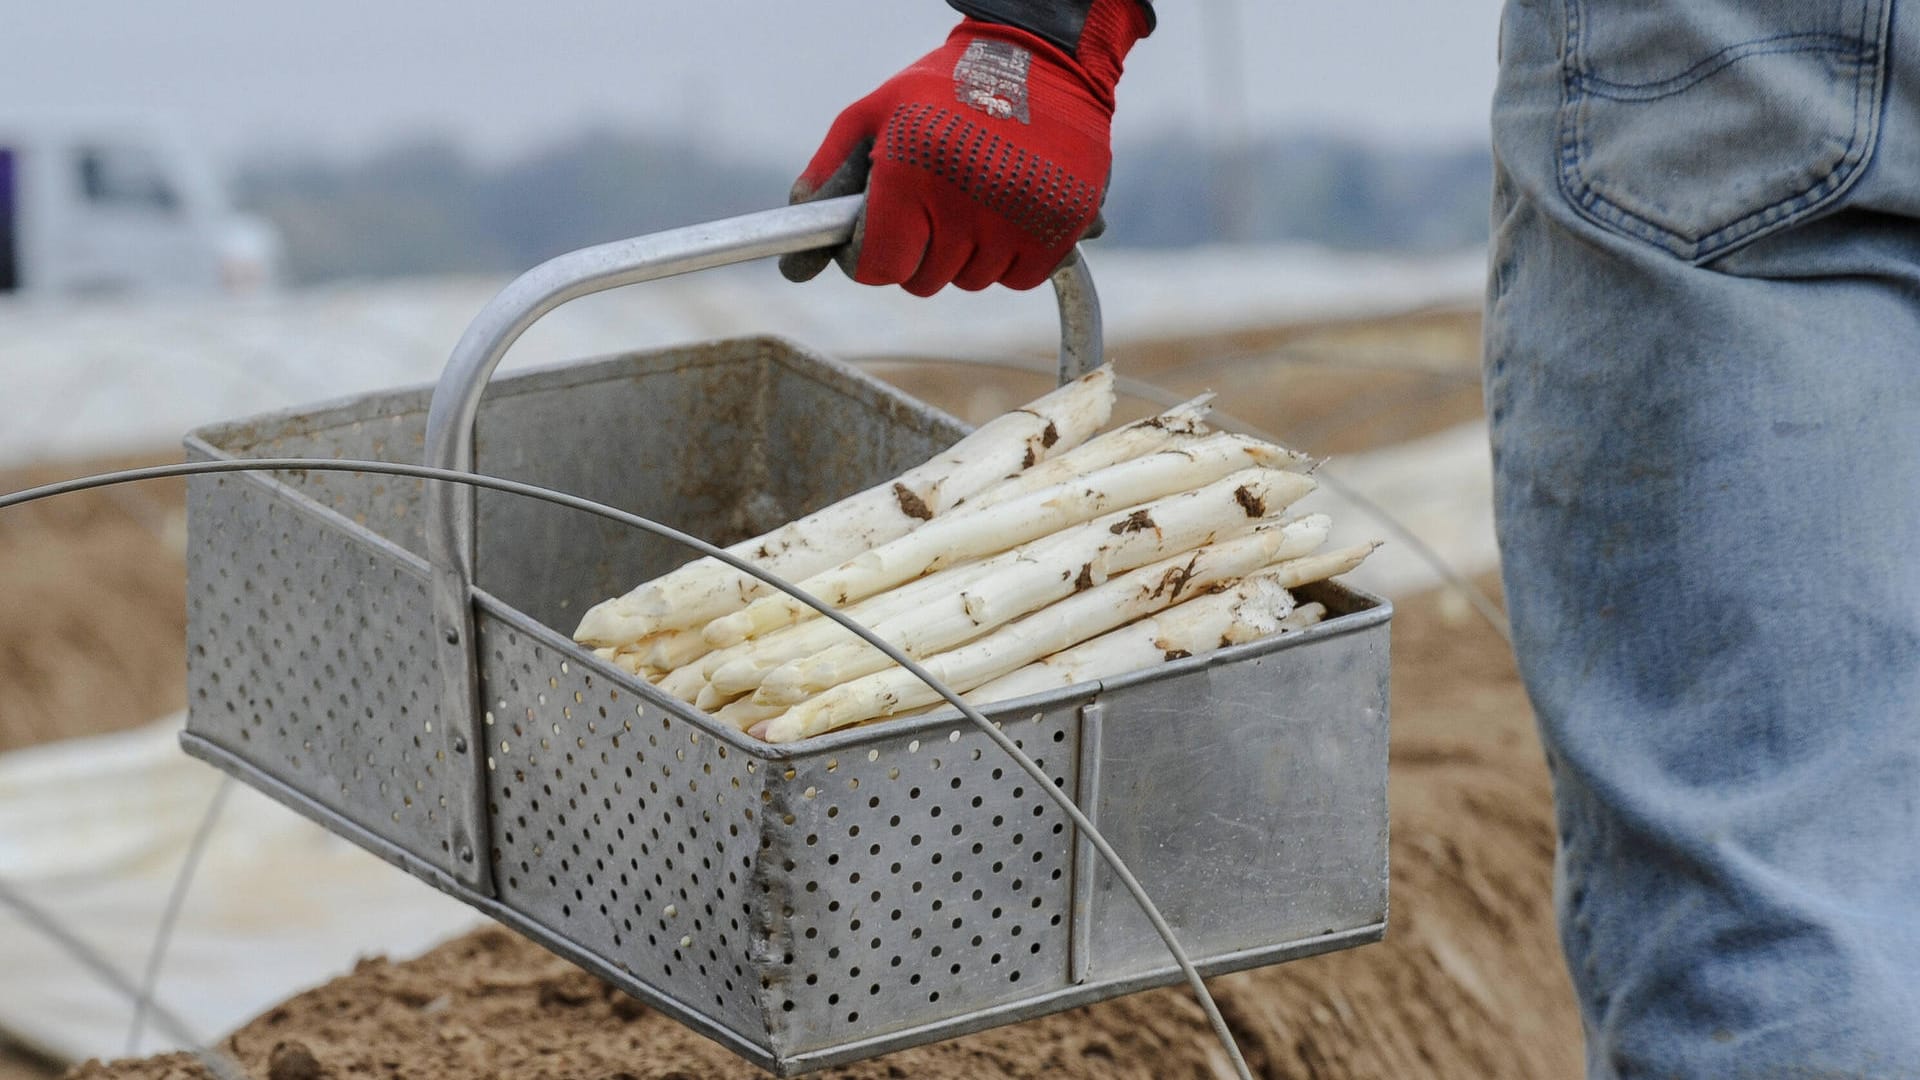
column 89, row 378
column 93, row 831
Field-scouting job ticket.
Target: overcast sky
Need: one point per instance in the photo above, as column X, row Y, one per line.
column 764, row 76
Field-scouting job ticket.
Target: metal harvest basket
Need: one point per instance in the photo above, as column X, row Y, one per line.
column 391, row 657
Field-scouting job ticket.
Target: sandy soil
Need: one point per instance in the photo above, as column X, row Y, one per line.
column 1469, row 983
column 1330, row 387
column 17, row 1063
column 92, row 606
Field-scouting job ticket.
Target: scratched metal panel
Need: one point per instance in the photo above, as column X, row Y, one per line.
column 1250, row 798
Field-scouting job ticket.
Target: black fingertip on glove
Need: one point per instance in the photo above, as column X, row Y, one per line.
column 849, row 179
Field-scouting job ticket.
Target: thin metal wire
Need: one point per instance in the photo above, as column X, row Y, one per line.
column 575, row 502
column 1475, row 595
column 1146, row 391
column 170, row 915
column 218, row 1063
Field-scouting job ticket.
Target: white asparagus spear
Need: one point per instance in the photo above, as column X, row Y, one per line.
column 626, row 660
column 685, row 683
column 744, row 714
column 690, row 689
column 1247, row 610
column 1180, row 424
column 1033, row 576
column 1293, row 573
column 739, row 668
column 1302, row 617
column 1253, row 608
column 1062, row 625
column 1026, row 579
column 706, row 588
column 711, row 700
column 672, row 649
column 969, row 534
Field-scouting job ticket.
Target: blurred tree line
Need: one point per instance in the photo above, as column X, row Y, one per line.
column 425, row 206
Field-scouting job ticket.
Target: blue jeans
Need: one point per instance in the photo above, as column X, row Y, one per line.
column 1703, row 379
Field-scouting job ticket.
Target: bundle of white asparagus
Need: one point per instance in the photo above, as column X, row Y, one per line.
column 1032, row 555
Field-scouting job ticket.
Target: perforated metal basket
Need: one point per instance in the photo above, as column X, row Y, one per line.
column 352, row 655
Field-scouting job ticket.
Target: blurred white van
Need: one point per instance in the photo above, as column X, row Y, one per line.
column 119, row 206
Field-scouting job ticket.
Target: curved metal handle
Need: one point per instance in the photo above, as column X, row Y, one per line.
column 828, row 223
column 456, row 405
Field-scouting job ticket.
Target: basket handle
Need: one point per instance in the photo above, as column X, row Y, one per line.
column 456, row 404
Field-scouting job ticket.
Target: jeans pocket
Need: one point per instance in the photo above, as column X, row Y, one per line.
column 1701, row 125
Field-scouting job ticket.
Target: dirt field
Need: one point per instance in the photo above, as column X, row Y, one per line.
column 92, row 607
column 1469, row 983
column 1330, row 387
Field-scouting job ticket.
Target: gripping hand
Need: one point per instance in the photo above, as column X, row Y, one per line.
column 984, row 162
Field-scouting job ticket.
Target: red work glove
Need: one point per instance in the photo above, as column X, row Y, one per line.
column 984, row 162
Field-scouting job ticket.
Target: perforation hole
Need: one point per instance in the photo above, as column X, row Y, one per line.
column 924, row 884
column 633, row 832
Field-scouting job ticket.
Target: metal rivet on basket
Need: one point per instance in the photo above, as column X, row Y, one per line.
column 460, row 744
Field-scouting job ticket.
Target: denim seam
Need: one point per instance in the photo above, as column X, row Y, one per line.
column 1577, row 876
column 1595, row 86
column 1591, row 203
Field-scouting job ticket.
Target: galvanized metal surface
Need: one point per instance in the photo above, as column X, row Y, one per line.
column 807, row 904
column 257, row 564
column 311, row 652
column 1093, row 719
column 921, row 874
column 1083, row 345
column 456, row 403
column 1224, row 784
column 620, row 826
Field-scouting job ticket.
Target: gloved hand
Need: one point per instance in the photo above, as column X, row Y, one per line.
column 984, row 162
